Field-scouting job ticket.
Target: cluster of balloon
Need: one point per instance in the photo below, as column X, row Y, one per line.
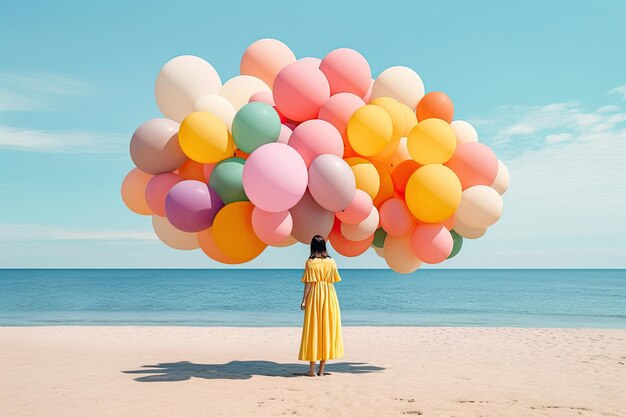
column 292, row 148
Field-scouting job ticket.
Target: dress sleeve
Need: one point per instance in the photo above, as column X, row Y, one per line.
column 336, row 277
column 309, row 274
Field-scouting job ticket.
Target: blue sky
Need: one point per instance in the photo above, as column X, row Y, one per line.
column 543, row 82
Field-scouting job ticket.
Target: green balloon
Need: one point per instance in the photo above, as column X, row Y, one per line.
column 227, row 180
column 255, row 124
column 379, row 237
column 458, row 243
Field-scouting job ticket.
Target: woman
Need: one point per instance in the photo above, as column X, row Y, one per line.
column 321, row 331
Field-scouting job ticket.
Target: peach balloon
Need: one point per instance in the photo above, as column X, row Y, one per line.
column 363, row 229
column 265, row 58
column 347, row 247
column 401, row 154
column 263, row 97
column 134, row 191
column 192, row 170
column 386, row 190
column 173, row 237
column 288, row 241
column 395, row 217
column 435, row 105
column 347, row 71
column 271, row 228
column 207, row 170
column 156, row 191
column 311, row 61
column 501, row 183
column 474, row 163
column 310, row 219
column 480, row 207
column 337, row 111
column 207, row 244
column 464, row 132
column 233, row 232
column 432, row 243
column 401, row 174
column 300, row 90
column 379, row 251
column 467, row 231
column 358, row 210
column 449, row 222
column 368, row 94
column 399, row 254
column 314, row 138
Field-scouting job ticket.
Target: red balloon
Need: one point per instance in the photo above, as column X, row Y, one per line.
column 435, row 105
column 400, row 175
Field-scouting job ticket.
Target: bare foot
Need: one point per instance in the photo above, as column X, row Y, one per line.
column 310, row 374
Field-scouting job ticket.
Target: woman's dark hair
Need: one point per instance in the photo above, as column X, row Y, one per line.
column 318, row 248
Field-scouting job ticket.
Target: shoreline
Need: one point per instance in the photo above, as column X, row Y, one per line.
column 386, row 370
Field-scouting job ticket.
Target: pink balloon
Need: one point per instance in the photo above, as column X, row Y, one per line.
column 395, row 217
column 291, row 125
column 191, row 205
column 331, row 182
column 358, row 210
column 157, row 189
column 347, row 71
column 339, row 108
column 154, row 147
column 311, row 60
column 431, row 243
column 316, row 137
column 285, row 134
column 271, row 228
column 474, row 163
column 263, row 97
column 300, row 90
column 275, row 177
column 368, row 95
column 310, row 219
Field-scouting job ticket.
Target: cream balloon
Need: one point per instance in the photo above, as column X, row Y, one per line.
column 401, row 154
column 501, row 183
column 239, row 89
column 363, row 229
column 480, row 207
column 400, row 83
column 173, row 237
column 399, row 254
column 468, row 232
column 183, row 80
column 290, row 240
column 217, row 105
column 464, row 132
column 379, row 251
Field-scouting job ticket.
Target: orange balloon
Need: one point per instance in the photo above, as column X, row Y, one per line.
column 435, row 105
column 134, row 191
column 233, row 232
column 192, row 170
column 400, row 175
column 385, row 192
column 208, row 246
column 241, row 154
column 347, row 247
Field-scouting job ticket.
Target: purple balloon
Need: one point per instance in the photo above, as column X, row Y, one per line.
column 192, row 205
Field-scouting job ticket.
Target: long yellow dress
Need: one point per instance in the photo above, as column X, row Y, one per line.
column 321, row 331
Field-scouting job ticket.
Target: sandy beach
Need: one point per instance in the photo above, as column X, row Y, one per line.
column 387, row 371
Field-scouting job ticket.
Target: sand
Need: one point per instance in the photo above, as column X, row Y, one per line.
column 387, row 371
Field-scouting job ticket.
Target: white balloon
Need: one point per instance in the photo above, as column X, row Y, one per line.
column 400, row 83
column 239, row 89
column 218, row 106
column 363, row 229
column 181, row 81
column 173, row 237
column 501, row 183
column 480, row 207
column 464, row 132
column 468, row 232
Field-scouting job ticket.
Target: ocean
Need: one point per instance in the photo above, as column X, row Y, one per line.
column 236, row 297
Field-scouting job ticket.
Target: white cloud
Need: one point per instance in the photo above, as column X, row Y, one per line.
column 621, row 90
column 32, row 233
column 62, row 141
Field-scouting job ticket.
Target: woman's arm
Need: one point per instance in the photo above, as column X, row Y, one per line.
column 307, row 288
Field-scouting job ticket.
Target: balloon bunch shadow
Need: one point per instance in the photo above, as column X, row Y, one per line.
column 184, row 370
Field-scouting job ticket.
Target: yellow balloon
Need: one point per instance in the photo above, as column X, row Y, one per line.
column 398, row 120
column 431, row 141
column 233, row 234
column 410, row 119
column 370, row 130
column 366, row 175
column 433, row 193
column 204, row 138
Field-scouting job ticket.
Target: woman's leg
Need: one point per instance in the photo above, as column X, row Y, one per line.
column 311, row 369
column 322, row 363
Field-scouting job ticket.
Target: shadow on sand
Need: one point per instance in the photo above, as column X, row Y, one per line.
column 182, row 371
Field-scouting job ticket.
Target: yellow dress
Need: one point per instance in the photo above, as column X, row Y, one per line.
column 321, row 331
